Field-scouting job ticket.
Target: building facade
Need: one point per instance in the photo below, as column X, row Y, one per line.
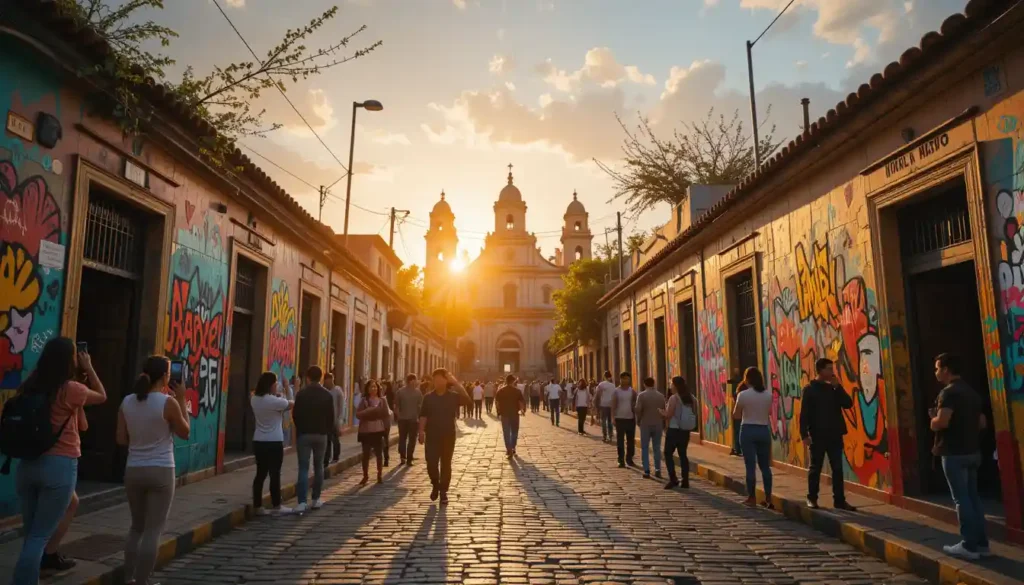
column 885, row 234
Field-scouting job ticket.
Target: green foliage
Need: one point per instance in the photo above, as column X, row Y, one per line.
column 577, row 317
column 409, row 285
column 713, row 151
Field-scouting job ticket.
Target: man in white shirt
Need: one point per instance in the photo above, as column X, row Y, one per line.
column 478, row 398
column 623, row 401
column 553, row 393
column 603, row 399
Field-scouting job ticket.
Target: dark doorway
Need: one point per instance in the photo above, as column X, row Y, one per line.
column 339, row 331
column 660, row 359
column 246, row 348
column 374, row 352
column 687, row 342
column 643, row 351
column 308, row 332
column 617, row 358
column 743, row 323
column 386, row 362
column 627, row 356
column 359, row 353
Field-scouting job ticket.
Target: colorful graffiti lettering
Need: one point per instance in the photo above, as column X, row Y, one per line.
column 197, row 334
column 712, row 374
column 1010, row 206
column 830, row 316
column 323, row 345
column 281, row 351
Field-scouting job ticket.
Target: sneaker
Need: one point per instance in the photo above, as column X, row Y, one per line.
column 301, row 508
column 631, row 463
column 844, row 506
column 408, row 462
column 812, row 504
column 960, row 551
column 317, row 504
column 261, row 511
column 56, row 562
column 768, row 505
column 750, row 501
column 647, row 475
column 433, row 493
column 282, row 510
column 444, row 499
column 621, row 465
column 671, row 484
column 984, row 551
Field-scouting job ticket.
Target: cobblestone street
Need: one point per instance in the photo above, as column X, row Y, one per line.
column 561, row 513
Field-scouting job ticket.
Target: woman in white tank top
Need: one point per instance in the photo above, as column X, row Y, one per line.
column 145, row 423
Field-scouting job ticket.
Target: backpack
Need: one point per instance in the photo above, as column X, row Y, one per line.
column 25, row 429
column 685, row 417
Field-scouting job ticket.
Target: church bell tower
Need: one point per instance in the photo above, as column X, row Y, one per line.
column 576, row 237
column 442, row 242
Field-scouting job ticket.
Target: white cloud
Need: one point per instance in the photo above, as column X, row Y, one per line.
column 800, row 65
column 374, row 172
column 236, row 3
column 501, row 64
column 501, row 34
column 314, row 105
column 710, row 3
column 545, row 99
column 460, row 4
column 600, row 67
column 545, row 5
column 511, row 86
column 384, row 137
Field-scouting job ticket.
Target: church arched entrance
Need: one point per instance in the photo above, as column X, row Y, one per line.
column 509, row 349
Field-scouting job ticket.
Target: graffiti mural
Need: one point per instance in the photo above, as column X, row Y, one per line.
column 711, row 370
column 323, row 345
column 197, row 333
column 282, row 342
column 826, row 314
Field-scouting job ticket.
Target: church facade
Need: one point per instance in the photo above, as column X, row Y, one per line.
column 508, row 289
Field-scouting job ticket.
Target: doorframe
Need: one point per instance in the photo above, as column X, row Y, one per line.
column 684, row 294
column 964, row 164
column 87, row 174
column 305, row 287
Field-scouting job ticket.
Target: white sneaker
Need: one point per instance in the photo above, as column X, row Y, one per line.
column 282, row 510
column 958, row 550
column 300, row 508
column 317, row 504
column 261, row 511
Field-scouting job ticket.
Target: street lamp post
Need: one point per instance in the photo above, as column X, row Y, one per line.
column 750, row 74
column 370, row 106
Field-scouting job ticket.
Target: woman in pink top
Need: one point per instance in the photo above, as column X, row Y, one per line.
column 372, row 415
column 45, row 485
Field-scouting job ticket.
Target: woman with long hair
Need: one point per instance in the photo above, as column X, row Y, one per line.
column 372, row 412
column 582, row 403
column 268, row 410
column 681, row 415
column 753, row 409
column 145, row 423
column 46, row 484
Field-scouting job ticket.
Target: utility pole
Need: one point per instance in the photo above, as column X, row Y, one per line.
column 618, row 228
column 391, row 237
column 608, row 247
column 753, row 103
column 323, row 200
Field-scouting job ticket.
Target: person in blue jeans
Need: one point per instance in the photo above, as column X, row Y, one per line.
column 553, row 394
column 313, row 414
column 957, row 421
column 45, row 485
column 650, row 404
column 753, row 410
column 510, row 403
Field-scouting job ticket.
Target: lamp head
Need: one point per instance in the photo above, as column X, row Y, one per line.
column 372, row 105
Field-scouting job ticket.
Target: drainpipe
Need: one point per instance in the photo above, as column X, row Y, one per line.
column 806, row 103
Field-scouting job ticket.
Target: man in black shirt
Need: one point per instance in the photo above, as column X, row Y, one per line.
column 957, row 421
column 313, row 414
column 437, row 429
column 510, row 404
column 822, row 426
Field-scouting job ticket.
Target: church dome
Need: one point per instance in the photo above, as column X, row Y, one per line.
column 441, row 207
column 575, row 207
column 510, row 193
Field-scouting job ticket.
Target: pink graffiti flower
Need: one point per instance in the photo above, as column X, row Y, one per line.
column 37, row 215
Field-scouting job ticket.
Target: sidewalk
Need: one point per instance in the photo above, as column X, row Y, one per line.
column 201, row 511
column 905, row 539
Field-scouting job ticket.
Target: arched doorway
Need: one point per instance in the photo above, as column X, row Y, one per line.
column 508, row 348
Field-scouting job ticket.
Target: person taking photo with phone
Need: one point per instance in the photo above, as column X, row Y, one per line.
column 268, row 410
column 822, row 426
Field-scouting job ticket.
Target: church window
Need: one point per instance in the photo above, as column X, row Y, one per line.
column 579, row 252
column 577, row 226
column 440, row 228
column 440, row 256
column 510, row 222
column 547, row 295
column 510, row 292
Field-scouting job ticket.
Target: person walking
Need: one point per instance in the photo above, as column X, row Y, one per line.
column 478, row 398
column 387, row 392
column 314, row 416
column 753, row 410
column 623, row 401
column 822, row 426
column 437, row 430
column 489, row 390
column 681, row 414
column 536, row 389
column 553, row 392
column 650, row 406
column 543, row 397
column 408, row 401
column 510, row 405
column 582, row 402
column 268, row 410
column 372, row 428
column 603, row 400
column 145, row 423
column 333, row 451
column 957, row 421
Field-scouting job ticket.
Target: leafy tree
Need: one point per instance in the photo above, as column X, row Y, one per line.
column 409, row 285
column 635, row 241
column 577, row 317
column 713, row 151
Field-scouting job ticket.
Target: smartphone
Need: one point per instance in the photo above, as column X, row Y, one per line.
column 83, row 347
column 177, row 371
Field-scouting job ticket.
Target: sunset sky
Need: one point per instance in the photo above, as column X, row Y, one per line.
column 469, row 86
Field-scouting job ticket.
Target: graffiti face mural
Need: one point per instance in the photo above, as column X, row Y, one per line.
column 822, row 313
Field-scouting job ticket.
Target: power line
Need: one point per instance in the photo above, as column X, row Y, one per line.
column 281, row 91
column 777, row 17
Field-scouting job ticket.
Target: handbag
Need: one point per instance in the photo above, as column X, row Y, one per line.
column 685, row 417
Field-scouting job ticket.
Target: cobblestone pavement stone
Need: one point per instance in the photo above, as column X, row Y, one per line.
column 560, row 513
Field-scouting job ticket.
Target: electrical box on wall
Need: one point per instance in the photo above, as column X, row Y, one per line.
column 48, row 130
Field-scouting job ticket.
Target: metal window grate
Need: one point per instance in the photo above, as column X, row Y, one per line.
column 113, row 238
column 746, row 321
column 245, row 286
column 937, row 223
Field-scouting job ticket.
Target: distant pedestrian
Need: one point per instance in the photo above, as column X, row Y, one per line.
column 753, row 410
column 408, row 401
column 603, row 400
column 623, row 401
column 957, row 421
column 536, row 389
column 681, row 414
column 822, row 426
column 387, row 392
column 650, row 405
column 582, row 402
column 314, row 417
column 145, row 423
column 268, row 411
column 478, row 399
column 372, row 416
column 510, row 406
column 553, row 393
column 489, row 390
column 437, row 430
column 333, row 452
